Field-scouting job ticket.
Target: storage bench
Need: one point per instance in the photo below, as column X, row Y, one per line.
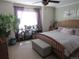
column 43, row 48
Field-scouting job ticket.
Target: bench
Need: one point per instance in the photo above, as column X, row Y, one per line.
column 43, row 48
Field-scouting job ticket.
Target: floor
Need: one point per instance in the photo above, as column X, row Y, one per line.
column 23, row 50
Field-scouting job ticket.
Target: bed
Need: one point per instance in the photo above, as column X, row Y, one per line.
column 58, row 47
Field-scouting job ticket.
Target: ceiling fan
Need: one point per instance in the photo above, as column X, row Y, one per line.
column 46, row 2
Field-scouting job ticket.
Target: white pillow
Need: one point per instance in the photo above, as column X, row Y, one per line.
column 67, row 31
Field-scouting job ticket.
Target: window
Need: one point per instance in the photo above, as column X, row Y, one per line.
column 28, row 18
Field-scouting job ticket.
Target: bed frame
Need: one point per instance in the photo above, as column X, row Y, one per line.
column 57, row 47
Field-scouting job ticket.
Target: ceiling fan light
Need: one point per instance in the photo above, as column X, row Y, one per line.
column 45, row 3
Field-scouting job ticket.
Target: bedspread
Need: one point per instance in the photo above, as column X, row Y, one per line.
column 70, row 42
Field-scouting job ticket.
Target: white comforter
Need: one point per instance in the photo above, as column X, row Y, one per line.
column 70, row 42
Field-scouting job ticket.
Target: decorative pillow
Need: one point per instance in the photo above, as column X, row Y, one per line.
column 67, row 31
column 76, row 31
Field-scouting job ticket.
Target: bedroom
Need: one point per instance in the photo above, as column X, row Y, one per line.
column 67, row 10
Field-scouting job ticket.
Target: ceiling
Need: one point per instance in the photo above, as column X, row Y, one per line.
column 33, row 2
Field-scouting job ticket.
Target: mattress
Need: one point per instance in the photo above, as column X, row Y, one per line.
column 70, row 42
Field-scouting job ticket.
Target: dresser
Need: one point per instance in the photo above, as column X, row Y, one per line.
column 3, row 49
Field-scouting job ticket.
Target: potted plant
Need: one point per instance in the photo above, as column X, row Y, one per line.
column 7, row 23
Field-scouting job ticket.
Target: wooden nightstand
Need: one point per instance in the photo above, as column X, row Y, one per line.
column 34, row 34
column 51, row 28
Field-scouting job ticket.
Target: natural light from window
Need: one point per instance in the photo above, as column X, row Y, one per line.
column 28, row 18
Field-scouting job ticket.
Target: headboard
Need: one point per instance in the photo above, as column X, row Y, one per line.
column 73, row 23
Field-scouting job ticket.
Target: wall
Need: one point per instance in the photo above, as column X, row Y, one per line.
column 6, row 7
column 26, row 6
column 60, row 12
column 47, row 17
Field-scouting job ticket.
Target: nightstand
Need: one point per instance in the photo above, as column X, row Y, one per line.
column 50, row 28
column 34, row 34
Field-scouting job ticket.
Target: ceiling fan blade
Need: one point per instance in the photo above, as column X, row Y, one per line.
column 54, row 1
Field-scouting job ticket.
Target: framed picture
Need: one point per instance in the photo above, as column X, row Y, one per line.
column 72, row 13
column 66, row 13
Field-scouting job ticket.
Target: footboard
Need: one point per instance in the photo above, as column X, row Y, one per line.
column 57, row 47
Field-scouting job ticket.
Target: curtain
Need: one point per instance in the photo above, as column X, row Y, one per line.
column 16, row 8
column 39, row 21
column 37, row 10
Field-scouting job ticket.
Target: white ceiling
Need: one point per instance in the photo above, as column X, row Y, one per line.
column 33, row 2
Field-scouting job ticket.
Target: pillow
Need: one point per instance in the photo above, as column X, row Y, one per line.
column 76, row 31
column 67, row 31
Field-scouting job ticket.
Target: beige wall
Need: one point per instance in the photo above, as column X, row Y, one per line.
column 26, row 6
column 6, row 7
column 47, row 17
column 60, row 12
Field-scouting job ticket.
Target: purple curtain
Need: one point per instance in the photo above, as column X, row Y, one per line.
column 39, row 21
column 16, row 8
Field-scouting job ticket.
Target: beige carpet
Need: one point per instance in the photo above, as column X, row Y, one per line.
column 23, row 50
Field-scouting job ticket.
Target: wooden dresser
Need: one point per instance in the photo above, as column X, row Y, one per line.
column 3, row 49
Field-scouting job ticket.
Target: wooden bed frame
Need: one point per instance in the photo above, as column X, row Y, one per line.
column 57, row 47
